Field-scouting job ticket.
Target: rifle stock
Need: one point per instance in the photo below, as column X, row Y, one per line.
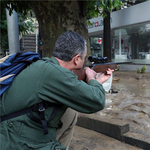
column 104, row 67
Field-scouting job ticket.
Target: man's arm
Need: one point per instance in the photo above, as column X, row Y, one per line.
column 101, row 68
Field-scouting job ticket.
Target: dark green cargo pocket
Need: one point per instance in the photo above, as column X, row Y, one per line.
column 44, row 146
column 15, row 127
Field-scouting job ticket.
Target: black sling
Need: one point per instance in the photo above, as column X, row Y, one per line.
column 39, row 107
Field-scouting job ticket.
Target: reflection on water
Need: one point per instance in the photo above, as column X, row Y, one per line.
column 131, row 103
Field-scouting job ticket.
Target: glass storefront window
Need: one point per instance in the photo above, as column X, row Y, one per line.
column 120, row 44
column 131, row 42
column 96, row 45
column 127, row 43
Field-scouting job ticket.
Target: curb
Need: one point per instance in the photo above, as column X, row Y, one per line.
column 118, row 130
column 142, row 142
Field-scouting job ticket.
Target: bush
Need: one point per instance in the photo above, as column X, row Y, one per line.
column 138, row 71
column 143, row 70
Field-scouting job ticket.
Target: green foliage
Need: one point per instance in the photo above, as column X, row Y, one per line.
column 142, row 70
column 25, row 24
column 96, row 8
column 3, row 28
column 92, row 9
column 18, row 6
column 24, row 27
column 138, row 71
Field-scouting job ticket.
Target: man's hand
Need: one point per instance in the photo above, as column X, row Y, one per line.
column 103, row 77
column 90, row 74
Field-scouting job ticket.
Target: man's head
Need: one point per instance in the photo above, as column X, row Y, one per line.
column 70, row 46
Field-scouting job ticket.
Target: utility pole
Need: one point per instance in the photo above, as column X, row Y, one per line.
column 13, row 32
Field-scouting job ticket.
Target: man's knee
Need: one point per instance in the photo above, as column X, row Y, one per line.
column 70, row 117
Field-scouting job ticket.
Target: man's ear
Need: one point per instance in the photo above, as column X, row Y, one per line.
column 76, row 59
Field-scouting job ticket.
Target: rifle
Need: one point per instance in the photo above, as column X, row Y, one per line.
column 98, row 65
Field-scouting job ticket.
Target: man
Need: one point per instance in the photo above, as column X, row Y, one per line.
column 53, row 82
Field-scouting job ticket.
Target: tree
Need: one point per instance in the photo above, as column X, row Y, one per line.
column 24, row 27
column 104, row 7
column 107, row 26
column 55, row 17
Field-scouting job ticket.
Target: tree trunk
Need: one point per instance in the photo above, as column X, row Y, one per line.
column 107, row 37
column 56, row 17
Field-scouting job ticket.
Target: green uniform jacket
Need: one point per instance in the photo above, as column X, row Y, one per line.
column 44, row 81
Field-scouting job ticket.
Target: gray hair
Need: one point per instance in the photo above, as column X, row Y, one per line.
column 68, row 45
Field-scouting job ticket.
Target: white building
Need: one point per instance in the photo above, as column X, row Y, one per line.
column 130, row 34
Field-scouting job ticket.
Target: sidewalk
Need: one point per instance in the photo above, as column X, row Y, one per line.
column 85, row 139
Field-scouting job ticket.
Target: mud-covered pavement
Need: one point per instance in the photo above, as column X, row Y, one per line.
column 131, row 104
column 85, row 139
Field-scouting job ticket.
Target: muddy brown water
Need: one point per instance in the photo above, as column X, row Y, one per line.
column 132, row 102
column 131, row 105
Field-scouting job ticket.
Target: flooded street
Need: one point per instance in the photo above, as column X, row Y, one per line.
column 132, row 102
column 139, row 87
column 130, row 105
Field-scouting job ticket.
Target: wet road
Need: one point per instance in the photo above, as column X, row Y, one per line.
column 131, row 104
column 85, row 139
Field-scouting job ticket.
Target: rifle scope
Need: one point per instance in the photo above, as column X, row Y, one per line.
column 97, row 60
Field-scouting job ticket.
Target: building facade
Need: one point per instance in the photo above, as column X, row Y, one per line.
column 130, row 34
